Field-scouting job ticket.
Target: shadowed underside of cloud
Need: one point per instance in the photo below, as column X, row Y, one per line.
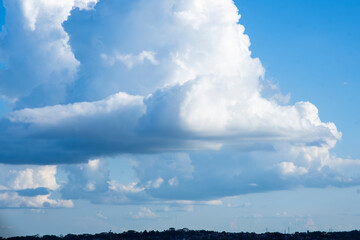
column 32, row 192
column 169, row 84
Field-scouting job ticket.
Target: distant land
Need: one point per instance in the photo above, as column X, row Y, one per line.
column 182, row 234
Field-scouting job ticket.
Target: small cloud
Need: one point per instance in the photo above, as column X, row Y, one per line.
column 280, row 98
column 32, row 179
column 12, row 199
column 94, row 164
column 100, row 215
column 270, row 89
column 129, row 60
column 131, row 187
column 173, row 181
column 155, row 184
column 177, row 208
column 158, row 182
column 242, row 205
column 283, row 214
column 90, row 187
column 143, row 213
column 216, row 202
column 289, row 168
column 358, row 191
column 37, row 211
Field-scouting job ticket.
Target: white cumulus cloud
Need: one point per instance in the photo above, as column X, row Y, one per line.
column 187, row 103
column 143, row 213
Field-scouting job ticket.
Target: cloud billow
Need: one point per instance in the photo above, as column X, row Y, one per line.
column 156, row 80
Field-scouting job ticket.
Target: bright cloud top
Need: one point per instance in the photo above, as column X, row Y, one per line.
column 29, row 186
column 170, row 84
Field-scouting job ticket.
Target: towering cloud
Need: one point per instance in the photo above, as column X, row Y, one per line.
column 173, row 84
column 39, row 62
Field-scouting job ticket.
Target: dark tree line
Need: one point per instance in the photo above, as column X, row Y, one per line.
column 183, row 234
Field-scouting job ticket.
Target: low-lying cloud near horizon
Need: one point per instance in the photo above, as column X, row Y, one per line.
column 170, row 86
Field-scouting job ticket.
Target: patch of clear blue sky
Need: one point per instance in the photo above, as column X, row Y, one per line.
column 311, row 48
column 3, row 106
column 2, row 14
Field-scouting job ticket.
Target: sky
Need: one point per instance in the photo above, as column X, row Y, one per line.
column 209, row 114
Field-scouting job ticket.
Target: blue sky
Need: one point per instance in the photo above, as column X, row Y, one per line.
column 314, row 56
column 155, row 114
